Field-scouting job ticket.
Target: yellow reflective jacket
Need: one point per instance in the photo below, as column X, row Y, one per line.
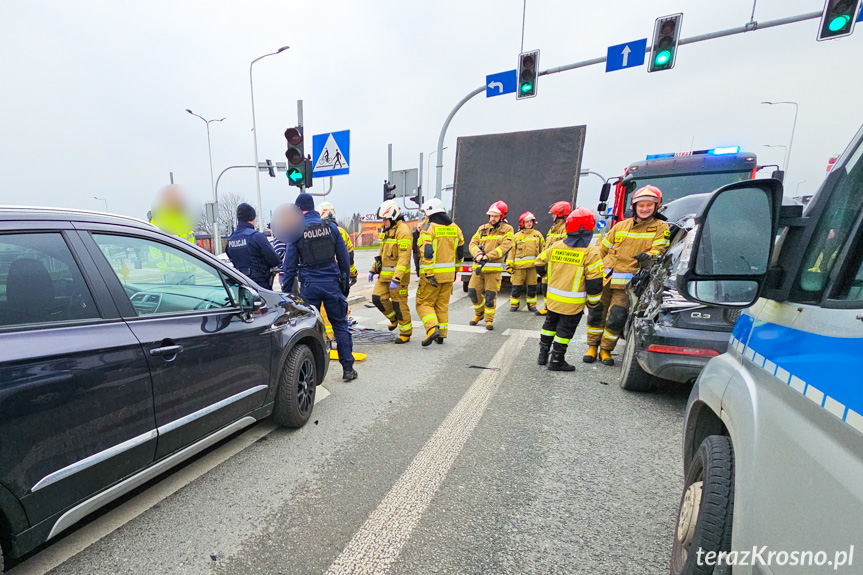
column 347, row 239
column 569, row 270
column 527, row 244
column 395, row 252
column 437, row 250
column 626, row 240
column 556, row 233
column 494, row 242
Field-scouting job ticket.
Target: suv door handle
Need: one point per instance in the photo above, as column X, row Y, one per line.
column 168, row 350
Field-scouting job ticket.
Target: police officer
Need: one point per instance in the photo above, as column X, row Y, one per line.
column 249, row 249
column 321, row 258
column 643, row 237
column 328, row 214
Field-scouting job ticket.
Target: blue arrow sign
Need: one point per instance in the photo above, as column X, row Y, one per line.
column 331, row 154
column 500, row 83
column 627, row 55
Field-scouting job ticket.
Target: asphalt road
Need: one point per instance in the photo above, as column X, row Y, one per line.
column 461, row 458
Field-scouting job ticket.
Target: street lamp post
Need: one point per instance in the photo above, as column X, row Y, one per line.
column 217, row 240
column 102, row 200
column 255, row 134
column 428, row 176
column 793, row 127
column 777, row 146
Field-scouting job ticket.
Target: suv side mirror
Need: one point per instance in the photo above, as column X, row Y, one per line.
column 778, row 175
column 726, row 255
column 605, row 192
column 250, row 300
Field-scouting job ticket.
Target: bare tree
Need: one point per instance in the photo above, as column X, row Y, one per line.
column 228, row 211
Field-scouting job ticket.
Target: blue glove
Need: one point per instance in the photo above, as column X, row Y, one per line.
column 371, row 276
column 394, row 285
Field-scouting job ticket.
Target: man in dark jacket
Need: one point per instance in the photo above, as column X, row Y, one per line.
column 249, row 249
column 320, row 259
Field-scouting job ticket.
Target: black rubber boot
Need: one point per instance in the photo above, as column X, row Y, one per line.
column 440, row 340
column 558, row 362
column 432, row 335
column 489, row 327
column 544, row 348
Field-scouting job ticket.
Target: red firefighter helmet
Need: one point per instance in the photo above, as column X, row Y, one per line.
column 524, row 218
column 560, row 209
column 497, row 209
column 651, row 193
column 578, row 219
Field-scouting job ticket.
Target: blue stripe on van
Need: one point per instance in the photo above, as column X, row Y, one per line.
column 824, row 369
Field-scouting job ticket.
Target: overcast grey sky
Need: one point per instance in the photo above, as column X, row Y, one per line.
column 94, row 91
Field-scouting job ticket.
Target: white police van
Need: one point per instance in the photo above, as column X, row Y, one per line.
column 773, row 435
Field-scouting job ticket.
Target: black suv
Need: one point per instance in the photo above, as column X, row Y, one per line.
column 124, row 351
column 667, row 336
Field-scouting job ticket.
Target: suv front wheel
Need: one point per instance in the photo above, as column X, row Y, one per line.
column 295, row 397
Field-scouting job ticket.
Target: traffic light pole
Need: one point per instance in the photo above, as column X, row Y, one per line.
column 748, row 27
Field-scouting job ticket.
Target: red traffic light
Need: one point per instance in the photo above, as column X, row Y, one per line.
column 293, row 136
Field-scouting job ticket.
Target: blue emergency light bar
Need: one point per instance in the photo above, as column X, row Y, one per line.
column 714, row 151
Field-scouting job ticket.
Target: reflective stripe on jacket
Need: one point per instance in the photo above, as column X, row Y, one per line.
column 395, row 252
column 568, row 271
column 495, row 242
column 347, row 239
column 626, row 240
column 556, row 233
column 443, row 242
column 527, row 244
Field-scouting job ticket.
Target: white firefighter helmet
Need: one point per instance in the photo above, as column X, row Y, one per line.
column 389, row 210
column 433, row 206
column 327, row 211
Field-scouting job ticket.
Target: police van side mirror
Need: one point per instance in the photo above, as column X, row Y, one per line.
column 726, row 255
column 605, row 192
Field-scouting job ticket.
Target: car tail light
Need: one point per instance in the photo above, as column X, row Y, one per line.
column 465, row 269
column 678, row 350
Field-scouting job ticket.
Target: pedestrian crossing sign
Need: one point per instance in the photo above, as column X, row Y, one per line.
column 331, row 154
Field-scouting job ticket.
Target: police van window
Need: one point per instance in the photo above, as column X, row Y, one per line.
column 851, row 285
column 40, row 281
column 160, row 279
column 832, row 231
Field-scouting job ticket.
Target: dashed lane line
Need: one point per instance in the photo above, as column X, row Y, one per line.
column 378, row 543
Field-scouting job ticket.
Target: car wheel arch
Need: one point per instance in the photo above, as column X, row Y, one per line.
column 703, row 422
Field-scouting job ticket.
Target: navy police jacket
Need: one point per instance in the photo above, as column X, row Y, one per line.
column 319, row 273
column 252, row 254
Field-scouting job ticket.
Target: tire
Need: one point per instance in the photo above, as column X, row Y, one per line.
column 295, row 397
column 713, row 466
column 632, row 377
column 464, row 285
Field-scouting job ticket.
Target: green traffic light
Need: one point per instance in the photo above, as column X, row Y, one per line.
column 662, row 58
column 295, row 175
column 839, row 22
column 526, row 87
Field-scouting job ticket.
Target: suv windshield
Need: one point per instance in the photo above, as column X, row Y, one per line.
column 679, row 185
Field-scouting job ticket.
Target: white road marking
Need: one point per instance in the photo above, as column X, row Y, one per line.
column 77, row 541
column 378, row 543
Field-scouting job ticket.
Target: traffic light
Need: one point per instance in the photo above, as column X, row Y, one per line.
column 663, row 51
column 388, row 190
column 296, row 157
column 528, row 63
column 838, row 19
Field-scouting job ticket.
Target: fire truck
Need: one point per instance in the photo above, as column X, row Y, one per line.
column 677, row 175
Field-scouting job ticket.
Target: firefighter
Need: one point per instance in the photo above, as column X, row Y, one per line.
column 527, row 244
column 441, row 247
column 328, row 215
column 638, row 240
column 392, row 266
column 559, row 211
column 575, row 274
column 489, row 247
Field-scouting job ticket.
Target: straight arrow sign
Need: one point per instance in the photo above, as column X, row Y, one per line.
column 627, row 55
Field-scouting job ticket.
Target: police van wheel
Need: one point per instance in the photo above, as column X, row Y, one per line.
column 632, row 377
column 295, row 397
column 706, row 510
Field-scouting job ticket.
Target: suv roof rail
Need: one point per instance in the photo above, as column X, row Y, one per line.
column 70, row 210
